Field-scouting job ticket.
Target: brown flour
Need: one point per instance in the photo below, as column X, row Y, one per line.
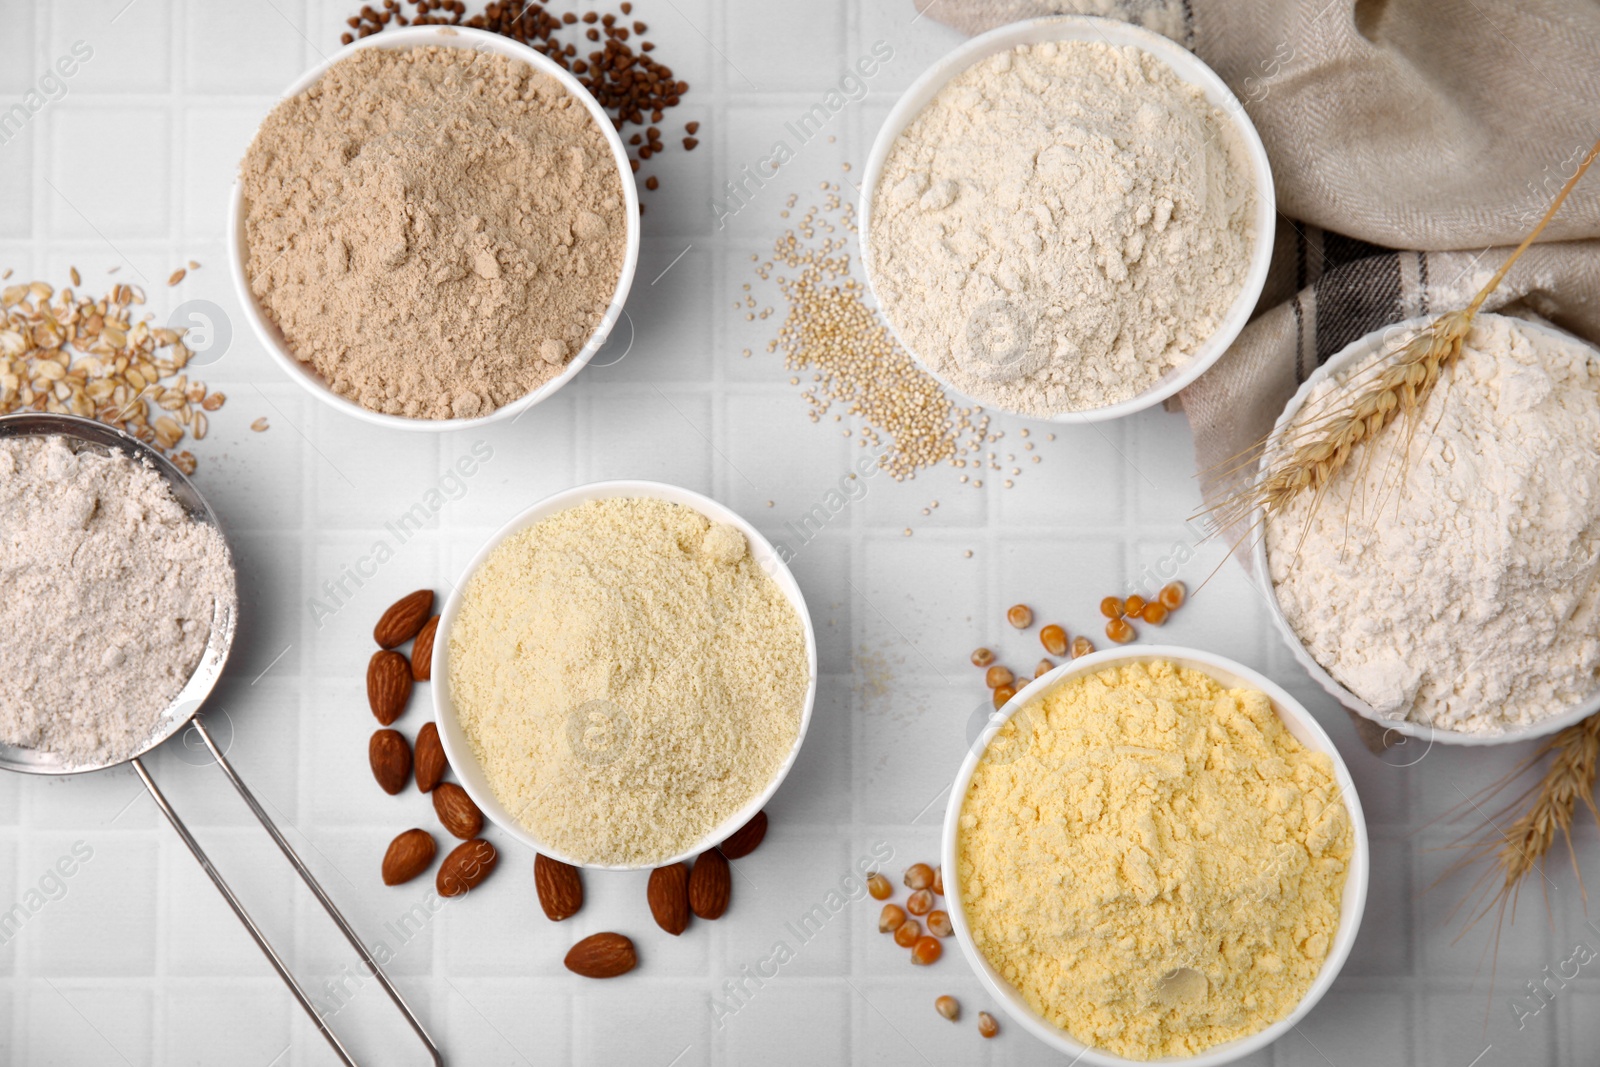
column 437, row 231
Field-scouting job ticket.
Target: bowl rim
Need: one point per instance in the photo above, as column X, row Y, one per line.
column 1190, row 69
column 1297, row 719
column 469, row 772
column 1351, row 353
column 443, row 37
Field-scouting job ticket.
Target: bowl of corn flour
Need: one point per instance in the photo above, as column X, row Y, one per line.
column 1156, row 855
column 625, row 675
column 1446, row 584
column 1067, row 218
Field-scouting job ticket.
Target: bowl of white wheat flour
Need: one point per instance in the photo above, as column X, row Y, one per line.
column 1068, row 218
column 624, row 675
column 1446, row 582
column 434, row 229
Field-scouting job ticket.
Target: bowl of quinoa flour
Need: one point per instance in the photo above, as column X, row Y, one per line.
column 1067, row 218
column 119, row 588
column 435, row 228
column 1447, row 582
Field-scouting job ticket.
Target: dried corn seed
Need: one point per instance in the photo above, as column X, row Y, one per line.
column 907, row 933
column 1054, row 639
column 1081, row 646
column 938, row 881
column 1154, row 613
column 891, row 918
column 1172, row 595
column 1020, row 616
column 987, row 1027
column 926, row 950
column 1133, row 606
column 920, row 902
column 948, row 1007
column 982, row 657
column 879, row 887
column 1119, row 631
column 997, row 676
column 919, row 876
column 939, row 923
column 1111, row 607
column 1003, row 693
column 1044, row 667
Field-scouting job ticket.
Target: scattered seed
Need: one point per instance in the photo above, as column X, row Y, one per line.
column 879, row 887
column 920, row 902
column 1045, row 667
column 982, row 657
column 948, row 1007
column 987, row 1027
column 891, row 918
column 919, row 876
column 939, row 923
column 1081, row 646
column 1111, row 607
column 1172, row 595
column 926, row 950
column 1003, row 693
column 260, row 425
column 1054, row 639
column 997, row 676
column 1133, row 606
column 1154, row 613
column 1020, row 616
column 1119, row 631
column 906, row 935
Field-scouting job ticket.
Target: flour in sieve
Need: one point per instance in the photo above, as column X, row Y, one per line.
column 111, row 590
column 1467, row 596
column 1061, row 225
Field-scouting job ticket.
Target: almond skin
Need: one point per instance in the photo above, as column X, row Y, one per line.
column 422, row 651
column 457, row 813
column 560, row 887
column 403, row 619
column 390, row 757
column 409, row 855
column 431, row 762
column 465, row 868
column 602, row 956
column 710, row 885
column 747, row 838
column 388, row 685
column 668, row 894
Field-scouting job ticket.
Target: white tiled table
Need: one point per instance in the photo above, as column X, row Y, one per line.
column 139, row 962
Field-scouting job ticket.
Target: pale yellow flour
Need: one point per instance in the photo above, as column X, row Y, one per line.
column 628, row 677
column 1153, row 860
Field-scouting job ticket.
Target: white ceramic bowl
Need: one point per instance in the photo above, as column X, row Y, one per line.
column 1354, row 353
column 1188, row 69
column 459, row 750
column 444, row 37
column 1305, row 729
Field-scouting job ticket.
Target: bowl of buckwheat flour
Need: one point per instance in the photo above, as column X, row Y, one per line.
column 1067, row 218
column 120, row 601
column 625, row 675
column 434, row 229
column 1445, row 583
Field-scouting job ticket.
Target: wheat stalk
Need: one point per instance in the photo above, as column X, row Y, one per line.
column 1309, row 454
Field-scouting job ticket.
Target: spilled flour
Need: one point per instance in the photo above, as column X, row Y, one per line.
column 1469, row 598
column 1061, row 225
column 111, row 589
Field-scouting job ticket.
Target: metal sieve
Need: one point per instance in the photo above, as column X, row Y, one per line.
column 86, row 434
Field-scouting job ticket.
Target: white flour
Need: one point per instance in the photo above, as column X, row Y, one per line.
column 109, row 593
column 1061, row 225
column 1469, row 596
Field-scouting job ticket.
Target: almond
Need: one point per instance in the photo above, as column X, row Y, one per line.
column 560, row 887
column 668, row 894
column 747, row 838
column 390, row 757
column 431, row 763
column 602, row 956
column 403, row 619
column 710, row 885
column 465, row 868
column 388, row 685
column 408, row 856
column 422, row 651
column 456, row 811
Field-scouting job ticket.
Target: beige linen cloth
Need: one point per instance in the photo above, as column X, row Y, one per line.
column 1412, row 142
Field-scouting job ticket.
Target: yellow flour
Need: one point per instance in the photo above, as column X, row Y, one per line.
column 1158, row 869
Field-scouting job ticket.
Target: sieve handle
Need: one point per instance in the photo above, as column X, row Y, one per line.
column 311, row 883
